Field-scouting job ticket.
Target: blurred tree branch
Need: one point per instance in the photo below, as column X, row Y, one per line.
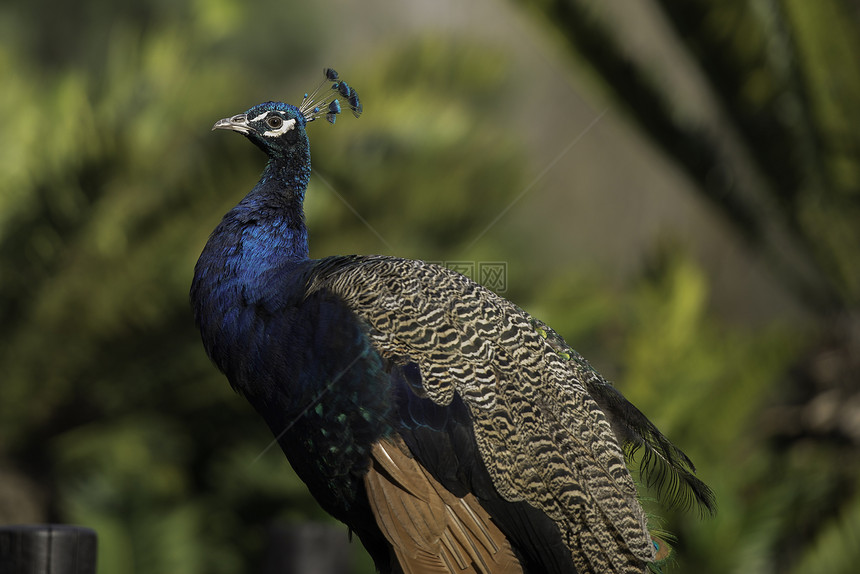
column 760, row 159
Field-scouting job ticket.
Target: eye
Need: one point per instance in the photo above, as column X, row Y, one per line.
column 274, row 122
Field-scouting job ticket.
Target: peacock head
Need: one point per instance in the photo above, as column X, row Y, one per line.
column 278, row 128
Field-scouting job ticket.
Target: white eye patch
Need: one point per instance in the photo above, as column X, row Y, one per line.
column 286, row 125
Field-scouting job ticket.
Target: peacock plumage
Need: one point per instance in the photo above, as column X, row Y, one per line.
column 450, row 430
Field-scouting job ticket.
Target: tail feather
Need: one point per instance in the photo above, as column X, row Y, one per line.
column 662, row 465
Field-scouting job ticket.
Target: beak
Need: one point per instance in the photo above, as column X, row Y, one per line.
column 236, row 123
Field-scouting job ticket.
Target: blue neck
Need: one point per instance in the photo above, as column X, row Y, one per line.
column 250, row 258
column 265, row 231
column 270, row 219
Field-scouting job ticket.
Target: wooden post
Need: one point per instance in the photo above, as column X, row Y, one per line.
column 47, row 549
column 309, row 548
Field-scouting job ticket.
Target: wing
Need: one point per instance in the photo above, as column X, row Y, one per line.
column 542, row 437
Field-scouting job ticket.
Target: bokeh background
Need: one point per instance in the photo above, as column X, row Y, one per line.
column 673, row 185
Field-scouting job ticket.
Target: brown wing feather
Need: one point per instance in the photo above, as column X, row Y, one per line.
column 432, row 531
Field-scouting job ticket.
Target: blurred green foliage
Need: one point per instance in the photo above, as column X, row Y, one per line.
column 110, row 183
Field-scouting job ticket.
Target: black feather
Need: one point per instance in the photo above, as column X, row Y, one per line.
column 662, row 465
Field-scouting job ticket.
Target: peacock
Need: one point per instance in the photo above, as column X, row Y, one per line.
column 447, row 428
